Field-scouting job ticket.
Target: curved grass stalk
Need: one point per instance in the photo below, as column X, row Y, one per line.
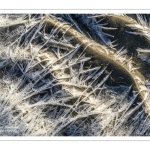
column 131, row 75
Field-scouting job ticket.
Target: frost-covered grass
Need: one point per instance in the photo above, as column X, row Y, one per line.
column 47, row 88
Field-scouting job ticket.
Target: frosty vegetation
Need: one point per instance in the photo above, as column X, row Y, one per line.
column 50, row 86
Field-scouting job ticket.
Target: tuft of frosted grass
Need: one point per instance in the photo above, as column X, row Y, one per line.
column 47, row 109
column 143, row 27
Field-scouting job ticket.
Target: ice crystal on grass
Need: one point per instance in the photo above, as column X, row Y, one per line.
column 144, row 55
column 142, row 27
